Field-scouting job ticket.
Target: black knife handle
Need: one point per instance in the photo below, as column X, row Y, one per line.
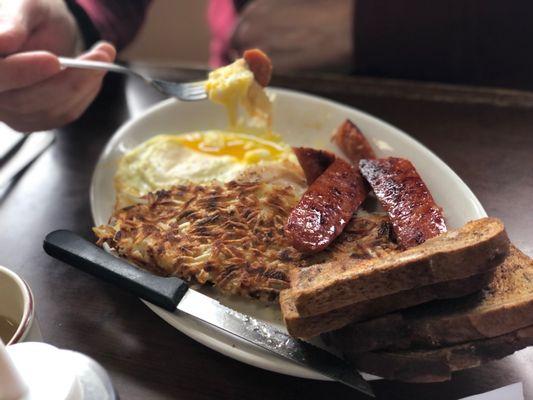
column 71, row 248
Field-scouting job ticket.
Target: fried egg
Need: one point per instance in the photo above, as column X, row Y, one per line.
column 210, row 206
column 201, row 157
column 247, row 151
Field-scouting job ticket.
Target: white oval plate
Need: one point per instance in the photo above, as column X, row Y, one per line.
column 301, row 119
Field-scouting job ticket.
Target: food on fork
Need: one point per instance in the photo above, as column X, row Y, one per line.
column 326, row 207
column 236, row 85
column 246, row 150
column 414, row 214
column 261, row 66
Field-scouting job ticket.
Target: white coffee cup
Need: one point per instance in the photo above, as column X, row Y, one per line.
column 18, row 305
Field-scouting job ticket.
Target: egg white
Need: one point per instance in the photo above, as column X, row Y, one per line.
column 168, row 160
column 249, row 151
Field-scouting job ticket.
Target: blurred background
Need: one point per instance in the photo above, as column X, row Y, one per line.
column 473, row 42
column 168, row 39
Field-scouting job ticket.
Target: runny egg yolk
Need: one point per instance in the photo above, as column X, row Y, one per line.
column 245, row 148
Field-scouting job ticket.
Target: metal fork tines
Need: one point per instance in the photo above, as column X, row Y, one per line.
column 189, row 91
column 32, row 146
column 186, row 91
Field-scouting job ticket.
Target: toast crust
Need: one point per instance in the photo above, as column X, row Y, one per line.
column 307, row 327
column 477, row 247
column 437, row 365
column 505, row 305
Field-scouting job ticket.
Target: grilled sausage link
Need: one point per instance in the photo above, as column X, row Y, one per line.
column 314, row 162
column 326, row 207
column 260, row 65
column 349, row 138
column 414, row 215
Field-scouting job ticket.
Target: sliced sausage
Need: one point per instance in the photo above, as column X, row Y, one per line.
column 414, row 214
column 314, row 162
column 352, row 142
column 326, row 207
column 260, row 65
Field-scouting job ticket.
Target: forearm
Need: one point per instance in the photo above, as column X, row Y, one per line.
column 116, row 21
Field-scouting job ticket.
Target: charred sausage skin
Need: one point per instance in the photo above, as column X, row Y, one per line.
column 260, row 65
column 313, row 162
column 326, row 207
column 414, row 214
column 349, row 138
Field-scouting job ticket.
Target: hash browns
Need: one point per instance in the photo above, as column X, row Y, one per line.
column 230, row 236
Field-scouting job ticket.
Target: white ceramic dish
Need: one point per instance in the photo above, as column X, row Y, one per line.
column 302, row 120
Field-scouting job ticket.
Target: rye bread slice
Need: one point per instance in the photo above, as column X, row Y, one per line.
column 477, row 247
column 503, row 306
column 307, row 327
column 437, row 365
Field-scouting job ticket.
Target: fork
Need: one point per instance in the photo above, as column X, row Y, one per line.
column 186, row 91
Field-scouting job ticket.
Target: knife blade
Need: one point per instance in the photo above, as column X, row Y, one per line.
column 9, row 142
column 174, row 295
column 34, row 144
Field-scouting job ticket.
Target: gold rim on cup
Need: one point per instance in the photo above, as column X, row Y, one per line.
column 29, row 308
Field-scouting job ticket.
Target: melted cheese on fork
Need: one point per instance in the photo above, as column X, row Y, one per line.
column 233, row 86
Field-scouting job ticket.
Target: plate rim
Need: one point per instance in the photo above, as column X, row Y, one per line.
column 219, row 346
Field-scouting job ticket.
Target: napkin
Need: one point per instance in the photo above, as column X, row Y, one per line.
column 510, row 392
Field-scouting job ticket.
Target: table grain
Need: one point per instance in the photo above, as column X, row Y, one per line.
column 485, row 135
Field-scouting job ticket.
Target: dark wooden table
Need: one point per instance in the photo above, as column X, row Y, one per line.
column 486, row 136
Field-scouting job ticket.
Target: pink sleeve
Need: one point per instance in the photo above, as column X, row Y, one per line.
column 221, row 17
column 117, row 21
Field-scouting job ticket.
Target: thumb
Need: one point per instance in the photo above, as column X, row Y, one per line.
column 17, row 19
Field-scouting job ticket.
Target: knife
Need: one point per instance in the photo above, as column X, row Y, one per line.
column 173, row 294
column 31, row 148
column 10, row 141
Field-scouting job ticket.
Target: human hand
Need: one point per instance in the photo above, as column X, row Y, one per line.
column 35, row 93
column 290, row 32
